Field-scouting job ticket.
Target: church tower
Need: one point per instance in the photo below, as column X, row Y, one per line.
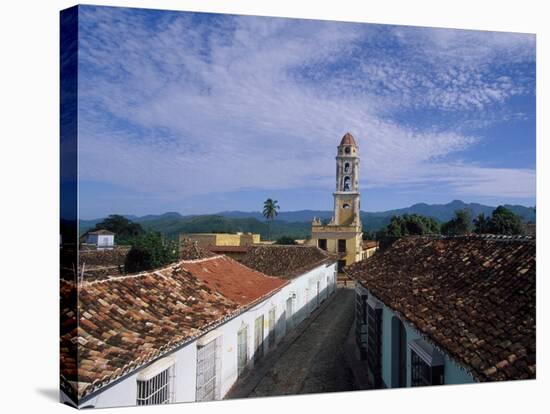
column 343, row 234
column 346, row 196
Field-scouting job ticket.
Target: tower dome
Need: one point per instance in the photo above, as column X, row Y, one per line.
column 348, row 140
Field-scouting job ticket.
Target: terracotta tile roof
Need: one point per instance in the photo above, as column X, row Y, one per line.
column 348, row 139
column 285, row 261
column 190, row 250
column 474, row 297
column 227, row 249
column 126, row 322
column 101, row 232
column 233, row 280
column 369, row 244
column 108, row 257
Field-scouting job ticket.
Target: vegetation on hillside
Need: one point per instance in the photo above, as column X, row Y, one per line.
column 409, row 225
column 170, row 225
column 285, row 240
column 150, row 251
column 502, row 221
column 459, row 225
column 125, row 230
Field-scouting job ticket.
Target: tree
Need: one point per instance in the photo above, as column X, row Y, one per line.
column 150, row 251
column 270, row 212
column 504, row 221
column 460, row 224
column 410, row 224
column 369, row 235
column 125, row 230
column 481, row 224
column 286, row 240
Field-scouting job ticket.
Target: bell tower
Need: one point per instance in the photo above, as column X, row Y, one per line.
column 346, row 197
column 343, row 235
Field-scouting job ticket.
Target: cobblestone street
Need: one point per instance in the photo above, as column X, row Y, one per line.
column 310, row 360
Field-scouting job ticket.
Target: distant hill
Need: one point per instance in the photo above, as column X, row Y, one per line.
column 299, row 215
column 172, row 224
column 296, row 224
column 377, row 220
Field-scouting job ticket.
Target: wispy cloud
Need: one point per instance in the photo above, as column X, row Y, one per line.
column 202, row 104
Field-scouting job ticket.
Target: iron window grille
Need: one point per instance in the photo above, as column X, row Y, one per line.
column 271, row 335
column 258, row 338
column 208, row 384
column 361, row 324
column 242, row 351
column 374, row 343
column 427, row 365
column 155, row 385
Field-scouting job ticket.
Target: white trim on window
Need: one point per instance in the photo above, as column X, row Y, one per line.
column 427, row 352
column 156, row 368
column 209, row 337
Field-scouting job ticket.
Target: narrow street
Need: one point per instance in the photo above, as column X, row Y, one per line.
column 309, row 360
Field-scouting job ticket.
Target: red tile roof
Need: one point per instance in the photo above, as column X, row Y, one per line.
column 101, row 232
column 126, row 322
column 232, row 279
column 227, row 249
column 474, row 297
column 369, row 244
column 190, row 250
column 285, row 261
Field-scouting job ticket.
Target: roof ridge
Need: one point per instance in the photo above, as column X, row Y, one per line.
column 202, row 259
column 496, row 237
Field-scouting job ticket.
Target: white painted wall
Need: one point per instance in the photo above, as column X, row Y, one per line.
column 304, row 287
column 101, row 240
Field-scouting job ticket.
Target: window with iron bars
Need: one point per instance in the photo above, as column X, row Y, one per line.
column 157, row 389
column 423, row 373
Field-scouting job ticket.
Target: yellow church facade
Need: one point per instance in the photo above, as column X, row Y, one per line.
column 343, row 234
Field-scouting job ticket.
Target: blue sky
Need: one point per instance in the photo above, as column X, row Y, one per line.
column 200, row 113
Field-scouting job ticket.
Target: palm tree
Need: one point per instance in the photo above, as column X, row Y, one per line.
column 270, row 211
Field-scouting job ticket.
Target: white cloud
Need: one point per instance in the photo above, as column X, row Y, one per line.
column 261, row 103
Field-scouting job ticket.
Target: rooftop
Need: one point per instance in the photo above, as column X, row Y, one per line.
column 369, row 244
column 227, row 249
column 285, row 261
column 474, row 297
column 232, row 279
column 126, row 322
column 102, row 232
column 190, row 250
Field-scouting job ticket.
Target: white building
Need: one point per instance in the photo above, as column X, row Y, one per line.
column 102, row 239
column 183, row 333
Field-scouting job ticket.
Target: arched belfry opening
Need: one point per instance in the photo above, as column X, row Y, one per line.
column 347, row 183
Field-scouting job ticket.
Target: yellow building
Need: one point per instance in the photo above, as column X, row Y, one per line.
column 343, row 234
column 221, row 239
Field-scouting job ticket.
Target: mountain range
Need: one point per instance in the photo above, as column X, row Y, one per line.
column 296, row 224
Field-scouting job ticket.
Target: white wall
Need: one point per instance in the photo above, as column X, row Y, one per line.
column 102, row 240
column 303, row 287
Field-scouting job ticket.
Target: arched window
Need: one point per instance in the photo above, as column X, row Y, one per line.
column 346, row 167
column 347, row 184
